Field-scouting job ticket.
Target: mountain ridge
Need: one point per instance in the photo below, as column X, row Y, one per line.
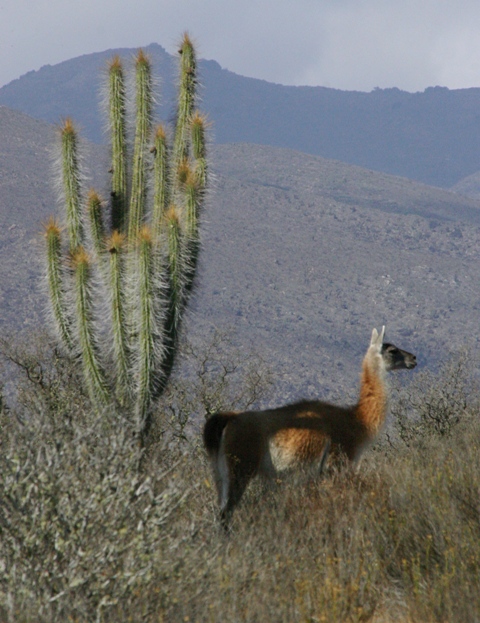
column 431, row 136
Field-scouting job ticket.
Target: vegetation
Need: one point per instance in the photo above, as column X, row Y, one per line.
column 86, row 537
column 133, row 261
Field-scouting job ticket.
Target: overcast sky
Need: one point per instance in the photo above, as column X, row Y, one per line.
column 346, row 44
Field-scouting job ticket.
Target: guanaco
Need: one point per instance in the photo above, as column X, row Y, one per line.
column 242, row 445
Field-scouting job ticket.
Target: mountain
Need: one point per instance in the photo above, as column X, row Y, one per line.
column 302, row 256
column 432, row 137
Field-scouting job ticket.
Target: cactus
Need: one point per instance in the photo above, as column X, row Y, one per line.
column 119, row 288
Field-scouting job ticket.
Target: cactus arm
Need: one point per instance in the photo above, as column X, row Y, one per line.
column 174, row 269
column 93, row 373
column 161, row 192
column 116, row 247
column 191, row 237
column 144, row 103
column 117, row 119
column 148, row 336
column 71, row 184
column 97, row 227
column 186, row 100
column 191, row 189
column 199, row 149
column 55, row 286
column 173, row 305
column 194, row 190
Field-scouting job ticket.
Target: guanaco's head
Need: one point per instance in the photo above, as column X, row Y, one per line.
column 385, row 356
column 394, row 358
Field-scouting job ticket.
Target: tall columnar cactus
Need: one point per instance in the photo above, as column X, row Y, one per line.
column 120, row 283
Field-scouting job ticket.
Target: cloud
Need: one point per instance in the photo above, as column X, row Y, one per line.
column 348, row 44
column 410, row 45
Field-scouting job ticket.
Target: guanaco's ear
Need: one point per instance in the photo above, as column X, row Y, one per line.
column 382, row 334
column 377, row 340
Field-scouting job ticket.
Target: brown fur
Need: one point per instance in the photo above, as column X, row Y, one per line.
column 243, row 445
column 349, row 432
column 372, row 405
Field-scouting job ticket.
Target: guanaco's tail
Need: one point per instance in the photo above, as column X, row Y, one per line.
column 213, row 429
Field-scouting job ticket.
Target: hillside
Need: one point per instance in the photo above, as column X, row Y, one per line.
column 301, row 257
column 433, row 136
column 469, row 186
column 27, row 164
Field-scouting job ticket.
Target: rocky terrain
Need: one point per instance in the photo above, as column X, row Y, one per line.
column 301, row 256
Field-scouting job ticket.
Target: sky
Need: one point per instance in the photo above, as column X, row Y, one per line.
column 344, row 44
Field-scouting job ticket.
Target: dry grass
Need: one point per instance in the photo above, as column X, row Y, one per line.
column 86, row 537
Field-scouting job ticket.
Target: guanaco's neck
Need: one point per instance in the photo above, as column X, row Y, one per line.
column 372, row 405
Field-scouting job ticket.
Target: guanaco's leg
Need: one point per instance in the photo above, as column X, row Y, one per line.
column 240, row 458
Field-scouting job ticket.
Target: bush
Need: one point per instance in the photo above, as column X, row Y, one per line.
column 435, row 403
column 215, row 375
column 86, row 536
column 78, row 523
column 432, row 537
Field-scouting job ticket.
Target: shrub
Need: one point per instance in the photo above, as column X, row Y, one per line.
column 85, row 536
column 78, row 521
column 435, row 403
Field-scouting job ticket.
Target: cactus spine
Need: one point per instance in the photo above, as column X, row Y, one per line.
column 118, row 292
